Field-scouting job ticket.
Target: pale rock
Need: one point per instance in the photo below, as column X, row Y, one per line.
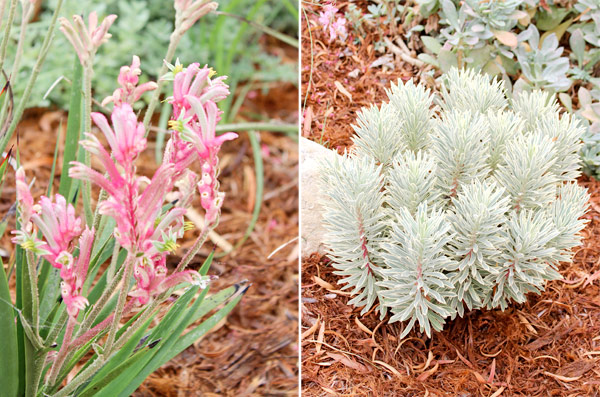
column 311, row 224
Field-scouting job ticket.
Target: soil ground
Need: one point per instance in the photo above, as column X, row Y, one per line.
column 549, row 346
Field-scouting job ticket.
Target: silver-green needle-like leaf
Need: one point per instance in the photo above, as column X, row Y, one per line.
column 416, row 285
column 355, row 225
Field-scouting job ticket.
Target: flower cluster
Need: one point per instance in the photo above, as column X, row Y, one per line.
column 59, row 228
column 143, row 227
column 87, row 39
column 195, row 117
column 336, row 26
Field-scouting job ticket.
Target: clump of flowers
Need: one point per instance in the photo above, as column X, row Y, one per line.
column 333, row 23
column 68, row 303
column 146, row 226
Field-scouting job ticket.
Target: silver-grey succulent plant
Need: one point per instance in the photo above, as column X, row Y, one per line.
column 542, row 65
column 452, row 203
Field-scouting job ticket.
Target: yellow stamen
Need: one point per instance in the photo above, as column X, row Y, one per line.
column 188, row 226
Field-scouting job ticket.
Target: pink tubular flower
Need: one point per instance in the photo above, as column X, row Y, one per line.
column 59, row 226
column 187, row 13
column 87, row 39
column 74, row 276
column 196, row 82
column 195, row 117
column 133, row 211
column 128, row 79
column 127, row 140
column 152, row 279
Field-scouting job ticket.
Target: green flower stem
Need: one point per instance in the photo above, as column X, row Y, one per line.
column 62, row 353
column 110, row 273
column 35, row 298
column 100, row 303
column 87, row 117
column 82, row 377
column 196, row 247
column 38, row 366
column 34, row 74
column 101, row 197
column 2, row 9
column 173, row 43
column 9, row 22
column 120, row 305
column 99, row 329
column 17, row 62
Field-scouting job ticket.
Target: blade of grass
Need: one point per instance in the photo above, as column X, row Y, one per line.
column 265, row 29
column 73, row 128
column 9, row 368
column 198, row 332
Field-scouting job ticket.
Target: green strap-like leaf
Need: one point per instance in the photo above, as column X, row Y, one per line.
column 9, row 370
column 175, row 344
column 73, row 129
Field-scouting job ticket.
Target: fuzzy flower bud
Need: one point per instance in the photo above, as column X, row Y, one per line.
column 128, row 79
column 188, row 12
column 87, row 39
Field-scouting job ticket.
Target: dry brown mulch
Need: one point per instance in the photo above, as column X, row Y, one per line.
column 549, row 346
column 329, row 69
column 255, row 350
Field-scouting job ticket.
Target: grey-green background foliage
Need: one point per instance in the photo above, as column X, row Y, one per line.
column 143, row 27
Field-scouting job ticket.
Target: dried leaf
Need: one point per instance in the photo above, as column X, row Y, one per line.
column 343, row 90
column 348, row 362
column 506, row 38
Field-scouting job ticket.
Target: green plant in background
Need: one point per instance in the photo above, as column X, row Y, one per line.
column 541, row 63
column 476, row 214
column 243, row 60
column 520, row 41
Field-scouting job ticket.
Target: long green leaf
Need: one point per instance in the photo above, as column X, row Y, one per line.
column 185, row 341
column 173, row 345
column 73, row 129
column 118, row 364
column 163, row 330
column 9, row 368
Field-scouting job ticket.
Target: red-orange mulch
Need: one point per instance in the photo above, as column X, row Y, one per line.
column 338, row 79
column 549, row 346
column 255, row 350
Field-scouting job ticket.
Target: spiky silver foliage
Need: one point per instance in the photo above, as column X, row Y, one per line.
column 440, row 210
